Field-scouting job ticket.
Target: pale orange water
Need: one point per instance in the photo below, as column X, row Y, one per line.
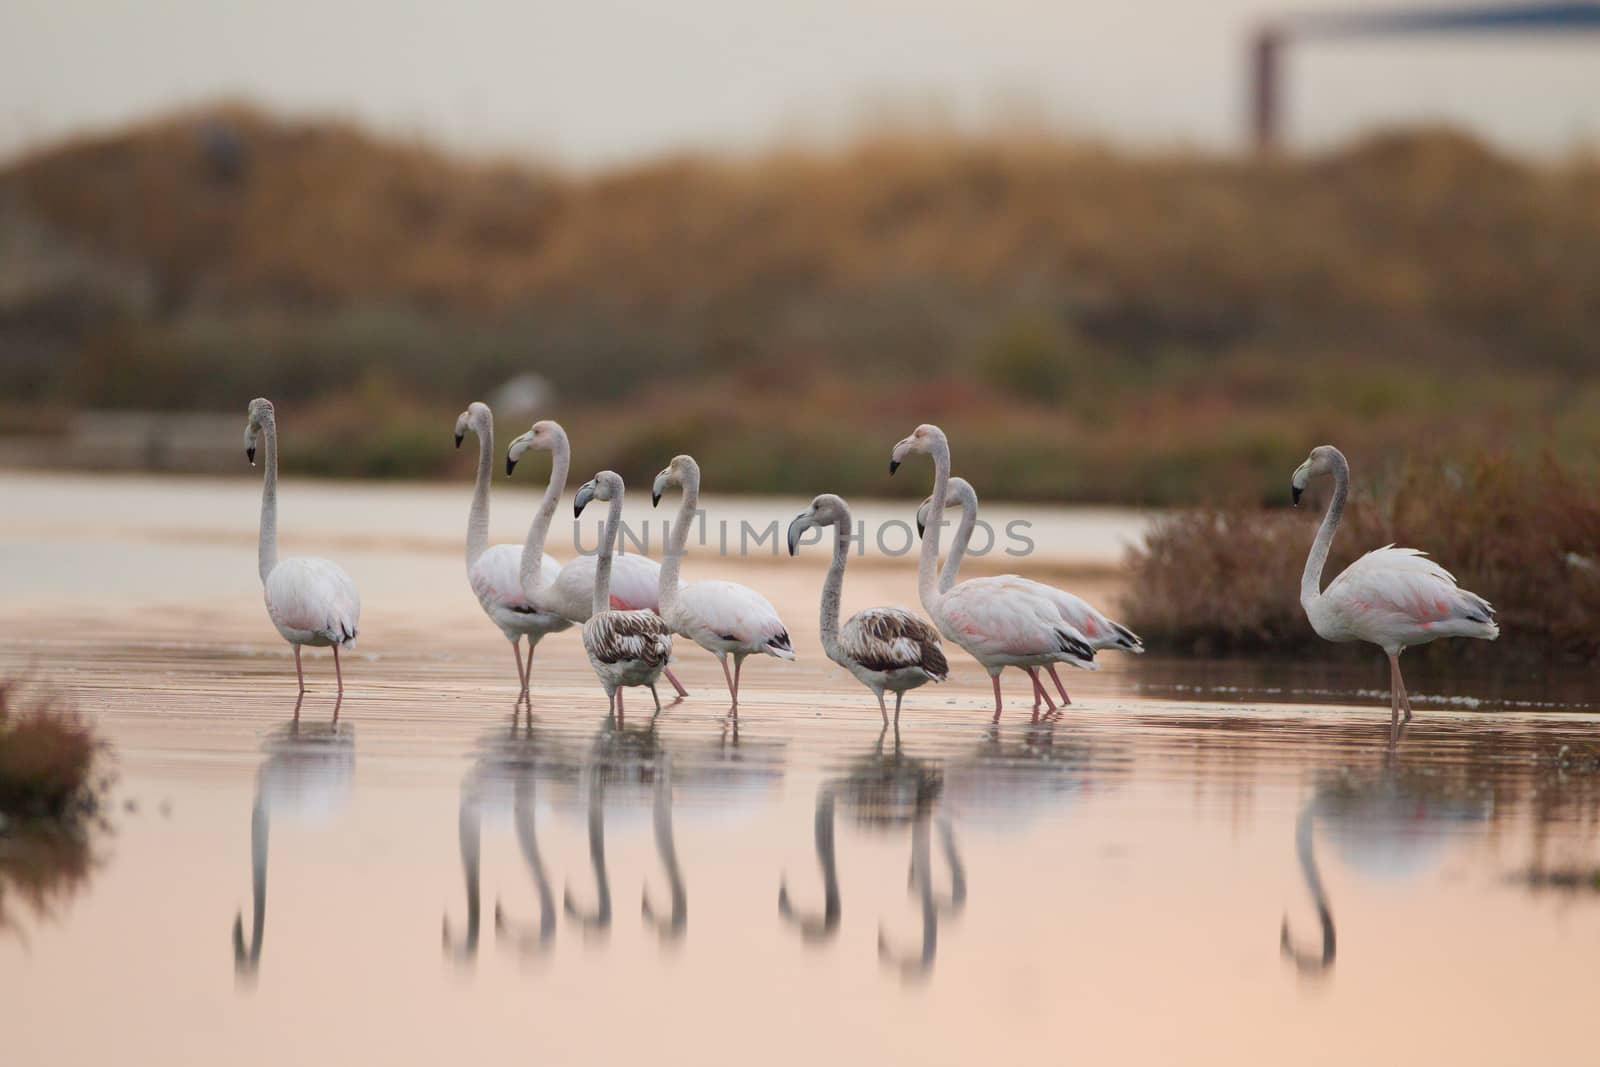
column 1126, row 869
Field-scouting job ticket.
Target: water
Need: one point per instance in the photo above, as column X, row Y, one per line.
column 1113, row 884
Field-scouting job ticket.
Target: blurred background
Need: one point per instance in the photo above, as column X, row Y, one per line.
column 1143, row 254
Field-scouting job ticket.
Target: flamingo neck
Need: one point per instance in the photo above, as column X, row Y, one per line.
column 927, row 577
column 268, row 553
column 478, row 517
column 678, row 542
column 602, row 567
column 1311, row 580
column 531, row 572
column 963, row 538
column 833, row 587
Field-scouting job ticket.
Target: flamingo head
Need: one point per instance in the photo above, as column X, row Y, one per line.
column 260, row 417
column 476, row 415
column 543, row 435
column 679, row 471
column 958, row 490
column 825, row 510
column 1324, row 459
column 604, row 487
column 924, row 438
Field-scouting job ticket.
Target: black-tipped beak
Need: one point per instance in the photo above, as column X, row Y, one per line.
column 1294, row 494
column 459, row 438
column 894, row 465
column 655, row 498
column 794, row 534
column 922, row 527
column 250, row 454
column 511, row 465
column 585, row 494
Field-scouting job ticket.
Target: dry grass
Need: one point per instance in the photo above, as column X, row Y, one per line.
column 47, row 759
column 1103, row 325
column 1524, row 535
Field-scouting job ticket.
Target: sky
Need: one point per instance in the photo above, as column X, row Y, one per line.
column 604, row 81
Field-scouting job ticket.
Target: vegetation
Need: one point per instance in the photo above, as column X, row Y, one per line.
column 1524, row 535
column 1090, row 324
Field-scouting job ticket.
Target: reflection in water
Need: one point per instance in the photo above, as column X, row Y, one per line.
column 1392, row 823
column 673, row 926
column 44, row 865
column 305, row 776
column 885, row 790
column 503, row 775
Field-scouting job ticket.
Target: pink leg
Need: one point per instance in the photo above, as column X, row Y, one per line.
column 527, row 676
column 516, row 657
column 337, row 672
column 298, row 671
column 1065, row 700
column 619, row 703
column 733, row 693
column 738, row 662
column 682, row 692
column 995, row 678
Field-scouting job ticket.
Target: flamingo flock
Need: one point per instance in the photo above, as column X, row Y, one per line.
column 631, row 609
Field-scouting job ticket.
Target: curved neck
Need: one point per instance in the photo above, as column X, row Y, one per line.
column 677, row 543
column 249, row 958
column 532, row 570
column 1311, row 580
column 927, row 579
column 958, row 546
column 1305, row 849
column 602, row 567
column 666, row 847
column 478, row 517
column 268, row 552
column 833, row 586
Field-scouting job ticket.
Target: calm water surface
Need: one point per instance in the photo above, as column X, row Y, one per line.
column 1194, row 864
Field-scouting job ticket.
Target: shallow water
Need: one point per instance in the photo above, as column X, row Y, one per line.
column 1112, row 884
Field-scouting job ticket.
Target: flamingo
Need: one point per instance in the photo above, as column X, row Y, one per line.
column 624, row 647
column 721, row 617
column 999, row 623
column 311, row 601
column 635, row 579
column 1392, row 597
column 496, row 573
column 885, row 648
column 1098, row 630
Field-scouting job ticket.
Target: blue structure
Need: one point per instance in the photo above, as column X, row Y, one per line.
column 1267, row 46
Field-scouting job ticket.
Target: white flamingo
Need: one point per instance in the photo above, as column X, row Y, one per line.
column 496, row 573
column 885, row 648
column 999, row 623
column 721, row 617
column 311, row 601
column 635, row 579
column 1392, row 597
column 624, row 647
column 1096, row 628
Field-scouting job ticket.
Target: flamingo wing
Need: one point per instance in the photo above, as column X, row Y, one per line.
column 1092, row 624
column 736, row 613
column 891, row 639
column 997, row 617
column 1393, row 589
column 317, row 596
column 628, row 636
column 497, row 580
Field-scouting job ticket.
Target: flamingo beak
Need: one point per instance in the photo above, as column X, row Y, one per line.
column 511, row 465
column 1294, row 494
column 585, row 494
column 894, row 465
column 459, row 438
column 250, row 454
column 796, row 528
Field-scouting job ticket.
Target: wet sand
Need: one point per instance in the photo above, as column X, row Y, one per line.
column 1109, row 886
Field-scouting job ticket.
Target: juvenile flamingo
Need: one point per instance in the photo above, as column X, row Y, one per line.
column 495, row 573
column 635, row 579
column 885, row 648
column 721, row 617
column 999, row 623
column 311, row 601
column 624, row 647
column 1392, row 597
column 1098, row 630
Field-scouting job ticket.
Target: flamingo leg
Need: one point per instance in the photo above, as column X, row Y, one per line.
column 882, row 710
column 995, row 678
column 337, row 671
column 677, row 685
column 898, row 697
column 619, row 703
column 1397, row 689
column 299, row 672
column 738, row 664
column 527, row 676
column 1065, row 700
column 722, row 657
column 516, row 657
column 1394, row 698
column 656, row 696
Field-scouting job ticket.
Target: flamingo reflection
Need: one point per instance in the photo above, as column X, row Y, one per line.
column 305, row 776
